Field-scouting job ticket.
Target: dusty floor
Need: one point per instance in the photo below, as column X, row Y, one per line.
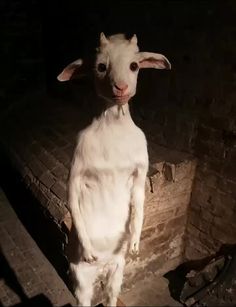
column 150, row 292
column 27, row 276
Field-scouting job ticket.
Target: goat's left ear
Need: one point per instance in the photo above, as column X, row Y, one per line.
column 153, row 60
column 70, row 70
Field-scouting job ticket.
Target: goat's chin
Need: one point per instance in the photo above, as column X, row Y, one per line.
column 121, row 100
column 113, row 100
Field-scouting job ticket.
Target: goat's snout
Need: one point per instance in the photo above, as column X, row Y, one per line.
column 119, row 88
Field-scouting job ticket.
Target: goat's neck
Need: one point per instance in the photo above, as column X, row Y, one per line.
column 117, row 113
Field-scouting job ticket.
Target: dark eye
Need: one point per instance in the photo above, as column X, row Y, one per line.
column 102, row 67
column 133, row 66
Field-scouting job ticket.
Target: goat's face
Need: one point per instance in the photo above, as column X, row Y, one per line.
column 116, row 67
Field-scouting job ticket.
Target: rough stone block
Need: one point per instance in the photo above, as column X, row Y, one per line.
column 61, row 172
column 59, row 189
column 157, row 217
column 61, row 156
column 167, row 200
column 47, row 179
column 56, row 210
column 47, row 159
column 37, row 168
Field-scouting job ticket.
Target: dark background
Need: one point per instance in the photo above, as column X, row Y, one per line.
column 40, row 37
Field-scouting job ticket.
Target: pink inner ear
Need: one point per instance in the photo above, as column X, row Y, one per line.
column 152, row 63
column 68, row 72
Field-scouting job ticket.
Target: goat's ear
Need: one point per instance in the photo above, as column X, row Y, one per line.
column 153, row 60
column 70, row 70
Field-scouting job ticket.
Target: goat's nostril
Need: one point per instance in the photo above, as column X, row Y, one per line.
column 121, row 86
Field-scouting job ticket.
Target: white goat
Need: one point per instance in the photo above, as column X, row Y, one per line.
column 108, row 171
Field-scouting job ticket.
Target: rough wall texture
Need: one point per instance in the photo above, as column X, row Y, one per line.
column 213, row 205
column 168, row 192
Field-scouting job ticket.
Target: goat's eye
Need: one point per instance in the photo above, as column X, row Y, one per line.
column 133, row 66
column 102, row 67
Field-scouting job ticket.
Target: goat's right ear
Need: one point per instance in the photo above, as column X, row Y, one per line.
column 70, row 70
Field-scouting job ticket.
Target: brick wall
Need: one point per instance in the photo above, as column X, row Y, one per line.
column 168, row 192
column 213, row 206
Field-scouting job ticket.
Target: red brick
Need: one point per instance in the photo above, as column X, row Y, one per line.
column 42, row 198
column 61, row 143
column 170, row 190
column 210, row 178
column 147, row 233
column 48, row 145
column 177, row 223
column 229, row 170
column 185, row 169
column 61, row 172
column 61, row 156
column 202, row 195
column 209, row 149
column 206, row 133
column 217, row 122
column 69, row 150
column 157, row 218
column 180, row 201
column 195, row 218
column 183, row 209
column 59, row 190
column 47, row 159
column 34, row 187
column 57, row 211
column 37, row 167
column 210, row 243
column 47, row 179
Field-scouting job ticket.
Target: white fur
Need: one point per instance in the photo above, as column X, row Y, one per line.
column 107, row 178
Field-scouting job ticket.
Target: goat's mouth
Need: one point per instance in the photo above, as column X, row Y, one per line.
column 121, row 99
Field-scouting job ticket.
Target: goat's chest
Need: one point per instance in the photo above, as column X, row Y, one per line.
column 106, row 160
column 113, row 149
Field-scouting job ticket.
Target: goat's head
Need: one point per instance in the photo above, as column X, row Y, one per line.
column 116, row 67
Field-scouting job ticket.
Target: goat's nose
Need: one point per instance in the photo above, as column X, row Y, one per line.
column 121, row 86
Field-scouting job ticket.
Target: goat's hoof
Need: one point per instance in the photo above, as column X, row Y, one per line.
column 134, row 252
column 88, row 257
column 134, row 248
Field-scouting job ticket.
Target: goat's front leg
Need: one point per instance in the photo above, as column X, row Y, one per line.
column 74, row 205
column 137, row 203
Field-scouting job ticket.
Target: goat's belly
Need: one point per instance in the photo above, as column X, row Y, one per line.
column 106, row 216
column 107, row 234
